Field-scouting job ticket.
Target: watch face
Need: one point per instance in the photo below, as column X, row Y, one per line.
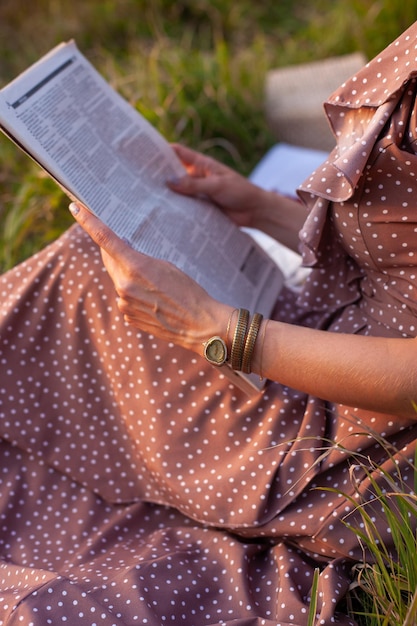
column 215, row 351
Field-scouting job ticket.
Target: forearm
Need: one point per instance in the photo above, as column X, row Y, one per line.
column 280, row 217
column 371, row 373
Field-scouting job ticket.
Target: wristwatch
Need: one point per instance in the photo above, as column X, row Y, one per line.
column 215, row 351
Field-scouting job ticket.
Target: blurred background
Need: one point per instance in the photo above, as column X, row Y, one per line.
column 195, row 68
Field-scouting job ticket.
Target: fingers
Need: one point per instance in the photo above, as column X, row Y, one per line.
column 186, row 155
column 190, row 186
column 183, row 153
column 198, row 164
column 203, row 174
column 101, row 234
column 120, row 259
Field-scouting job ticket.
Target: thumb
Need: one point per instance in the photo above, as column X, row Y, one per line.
column 101, row 234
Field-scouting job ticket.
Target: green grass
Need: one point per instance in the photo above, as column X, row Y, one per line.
column 196, row 70
column 385, row 589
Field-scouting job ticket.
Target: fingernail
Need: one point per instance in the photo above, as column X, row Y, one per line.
column 74, row 208
column 127, row 241
column 174, row 181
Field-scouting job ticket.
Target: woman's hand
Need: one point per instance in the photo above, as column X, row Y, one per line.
column 154, row 295
column 234, row 194
column 373, row 373
column 245, row 203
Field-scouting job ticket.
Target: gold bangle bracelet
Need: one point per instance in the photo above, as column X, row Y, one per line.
column 238, row 343
column 250, row 342
column 262, row 350
column 228, row 326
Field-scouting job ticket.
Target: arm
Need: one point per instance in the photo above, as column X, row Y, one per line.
column 280, row 217
column 367, row 372
column 245, row 203
column 372, row 373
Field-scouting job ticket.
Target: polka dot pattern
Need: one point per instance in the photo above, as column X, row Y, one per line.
column 138, row 486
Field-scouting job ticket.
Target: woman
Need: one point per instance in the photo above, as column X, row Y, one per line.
column 139, row 486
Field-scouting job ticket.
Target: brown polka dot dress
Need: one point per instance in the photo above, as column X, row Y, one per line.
column 137, row 485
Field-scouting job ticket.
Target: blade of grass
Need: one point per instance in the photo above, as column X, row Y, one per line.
column 314, row 598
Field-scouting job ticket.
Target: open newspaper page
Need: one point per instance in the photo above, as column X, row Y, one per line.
column 105, row 154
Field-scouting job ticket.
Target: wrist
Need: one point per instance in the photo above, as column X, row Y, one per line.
column 238, row 343
column 217, row 324
column 267, row 208
column 258, row 364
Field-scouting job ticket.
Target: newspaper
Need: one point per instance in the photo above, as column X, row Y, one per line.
column 102, row 152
